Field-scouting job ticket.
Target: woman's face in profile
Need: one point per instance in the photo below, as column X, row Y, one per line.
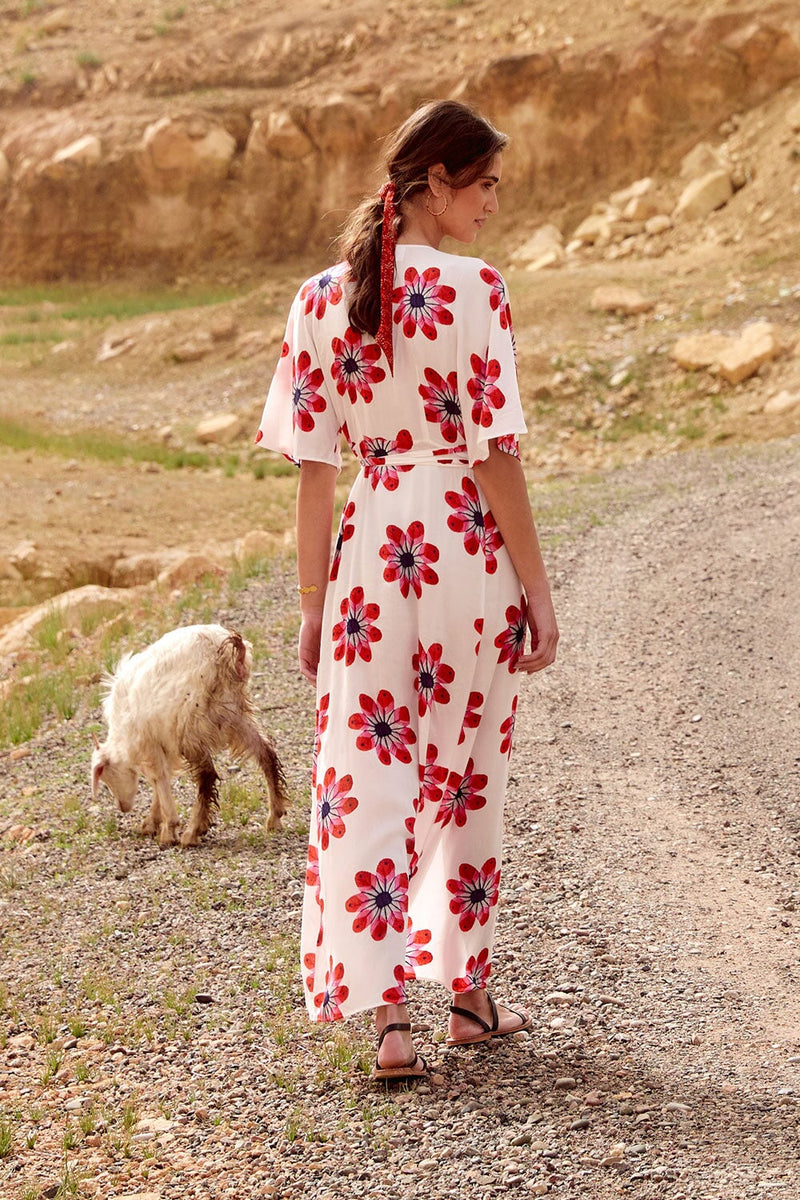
column 468, row 208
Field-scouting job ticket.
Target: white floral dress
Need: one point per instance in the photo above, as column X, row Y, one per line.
column 423, row 622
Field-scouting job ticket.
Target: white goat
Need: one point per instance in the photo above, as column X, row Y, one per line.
column 171, row 707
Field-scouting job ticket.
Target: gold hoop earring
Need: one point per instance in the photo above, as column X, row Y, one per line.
column 430, row 210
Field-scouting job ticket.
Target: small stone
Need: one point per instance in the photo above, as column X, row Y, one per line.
column 204, row 998
column 219, row 430
column 580, row 1123
column 700, row 350
column 539, row 1189
column 660, row 223
column 626, row 301
column 193, row 349
column 757, row 344
column 783, row 402
column 565, row 1082
column 677, row 1106
column 558, row 998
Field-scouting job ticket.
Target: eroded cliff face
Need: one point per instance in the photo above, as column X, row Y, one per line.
column 121, row 179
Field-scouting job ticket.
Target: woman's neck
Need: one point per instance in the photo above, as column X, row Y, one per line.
column 418, row 227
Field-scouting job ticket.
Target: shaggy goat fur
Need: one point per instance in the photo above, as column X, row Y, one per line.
column 171, row 708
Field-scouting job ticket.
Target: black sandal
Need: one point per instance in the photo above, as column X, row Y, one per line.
column 487, row 1031
column 417, row 1068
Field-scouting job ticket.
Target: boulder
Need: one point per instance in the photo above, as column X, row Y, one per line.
column 58, row 20
column 658, row 224
column 253, row 343
column 634, row 191
column 758, row 343
column 219, row 430
column 189, row 569
column 623, row 300
column 594, row 230
column 284, row 138
column 699, row 350
column 702, row 196
column 547, row 239
column 177, row 152
column 73, row 606
column 8, row 570
column 137, row 569
column 223, row 327
column 193, row 348
column 701, row 160
column 783, row 402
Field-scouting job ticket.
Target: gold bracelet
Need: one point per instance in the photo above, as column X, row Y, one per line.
column 305, row 591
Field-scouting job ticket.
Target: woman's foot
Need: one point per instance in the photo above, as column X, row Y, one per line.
column 474, row 1017
column 396, row 1057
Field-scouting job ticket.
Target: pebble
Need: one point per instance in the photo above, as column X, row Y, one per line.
column 677, row 1106
column 565, row 1081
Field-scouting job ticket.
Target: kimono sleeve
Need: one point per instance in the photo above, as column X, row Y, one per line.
column 489, row 389
column 299, row 419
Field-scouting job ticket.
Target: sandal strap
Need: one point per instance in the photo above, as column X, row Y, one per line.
column 396, row 1026
column 471, row 1016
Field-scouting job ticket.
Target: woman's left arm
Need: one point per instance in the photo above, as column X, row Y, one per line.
column 315, row 497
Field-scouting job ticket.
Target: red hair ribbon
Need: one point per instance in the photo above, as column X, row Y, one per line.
column 388, row 241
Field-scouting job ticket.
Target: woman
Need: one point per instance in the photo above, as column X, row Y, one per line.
column 414, row 636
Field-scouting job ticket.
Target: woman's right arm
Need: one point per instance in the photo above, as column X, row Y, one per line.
column 502, row 481
column 315, row 497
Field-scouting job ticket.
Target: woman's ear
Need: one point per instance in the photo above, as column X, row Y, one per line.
column 437, row 180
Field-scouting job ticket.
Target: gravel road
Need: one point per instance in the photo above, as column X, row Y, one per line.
column 649, row 918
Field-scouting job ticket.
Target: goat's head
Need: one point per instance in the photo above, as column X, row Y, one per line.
column 120, row 779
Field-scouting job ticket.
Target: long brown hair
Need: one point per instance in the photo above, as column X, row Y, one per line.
column 444, row 131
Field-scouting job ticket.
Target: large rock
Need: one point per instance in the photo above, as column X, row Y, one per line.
column 699, row 350
column 189, row 569
column 546, row 242
column 73, row 607
column 757, row 343
column 179, row 152
column 25, row 557
column 593, row 231
column 704, row 195
column 258, row 543
column 701, row 160
column 783, row 402
column 137, row 569
column 84, row 151
column 624, row 300
column 219, row 430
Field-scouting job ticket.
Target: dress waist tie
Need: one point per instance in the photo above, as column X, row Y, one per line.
column 415, row 458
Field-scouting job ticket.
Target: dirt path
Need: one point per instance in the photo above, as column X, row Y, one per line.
column 649, row 915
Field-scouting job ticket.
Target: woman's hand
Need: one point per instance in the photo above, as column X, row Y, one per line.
column 309, row 644
column 543, row 628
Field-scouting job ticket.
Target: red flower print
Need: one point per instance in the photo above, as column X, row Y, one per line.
column 511, row 641
column 479, row 529
column 396, row 994
column 312, row 874
column 472, row 718
column 354, row 366
column 432, row 675
column 498, row 301
column 332, row 804
column 408, row 557
column 259, row 435
column 479, row 631
column 462, row 796
column 346, row 531
column 377, row 453
column 420, row 302
column 509, row 444
column 476, row 974
column 507, row 729
column 327, row 1002
column 442, row 406
column 357, row 630
column 411, row 847
column 431, row 775
column 305, row 398
column 383, row 728
column 381, row 901
column 483, row 390
column 416, row 954
column 319, row 292
column 308, row 963
column 320, row 725
column 474, row 893
column 284, row 349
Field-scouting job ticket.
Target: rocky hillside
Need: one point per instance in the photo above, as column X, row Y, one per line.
column 147, row 137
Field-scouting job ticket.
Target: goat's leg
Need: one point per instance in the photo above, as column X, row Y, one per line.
column 153, row 819
column 245, row 740
column 207, row 799
column 168, row 814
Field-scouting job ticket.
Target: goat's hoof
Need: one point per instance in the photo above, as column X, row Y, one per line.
column 273, row 824
column 190, row 838
column 148, row 827
column 166, row 838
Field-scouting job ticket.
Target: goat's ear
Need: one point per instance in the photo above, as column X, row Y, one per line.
column 97, row 772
